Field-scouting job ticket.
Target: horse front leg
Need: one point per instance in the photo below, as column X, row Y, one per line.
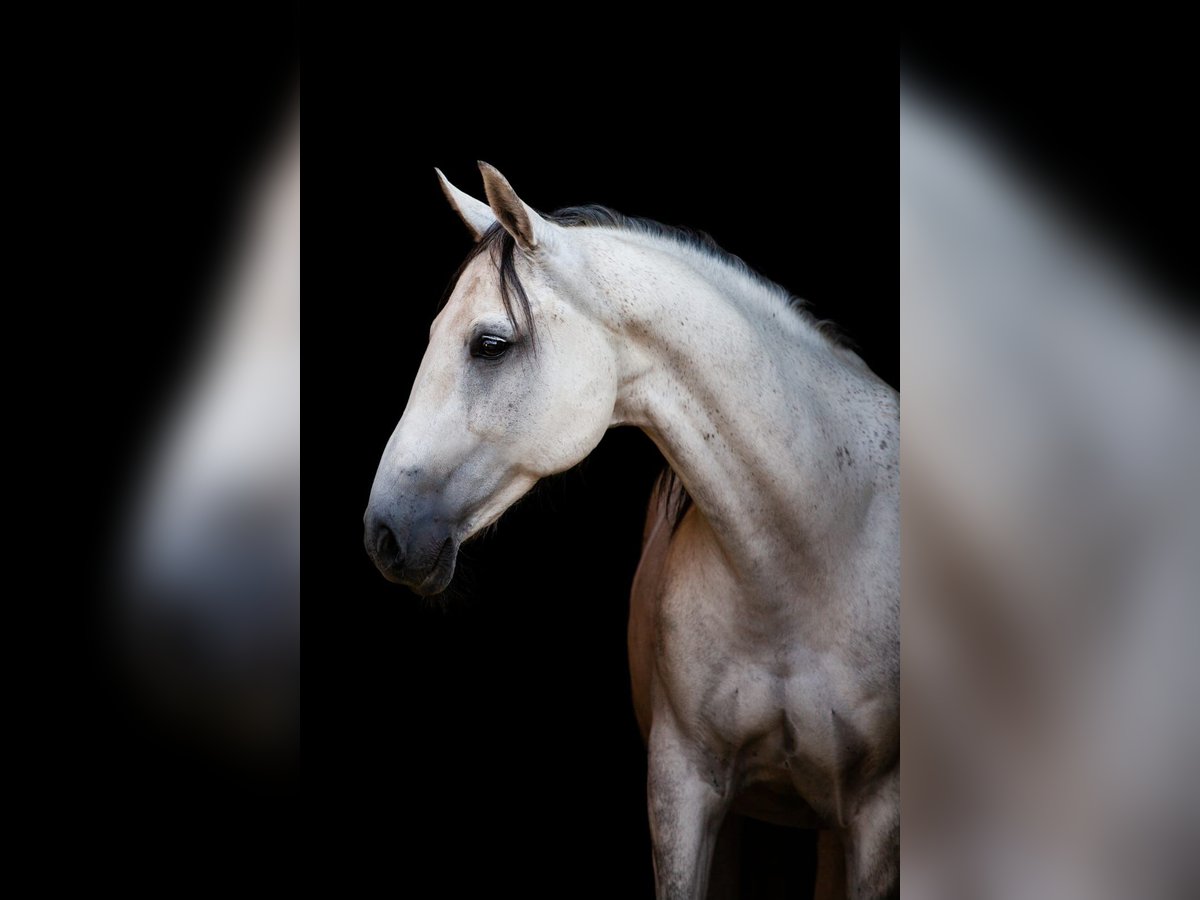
column 687, row 805
column 830, row 882
column 873, row 842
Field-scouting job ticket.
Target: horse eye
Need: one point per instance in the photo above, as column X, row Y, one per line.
column 488, row 346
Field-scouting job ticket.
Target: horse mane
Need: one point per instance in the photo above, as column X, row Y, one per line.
column 501, row 246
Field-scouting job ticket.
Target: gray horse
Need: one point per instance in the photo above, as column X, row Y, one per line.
column 764, row 631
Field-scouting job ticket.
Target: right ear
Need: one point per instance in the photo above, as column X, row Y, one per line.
column 476, row 215
column 527, row 227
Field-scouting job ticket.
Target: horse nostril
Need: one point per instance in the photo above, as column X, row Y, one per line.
column 385, row 544
column 381, row 542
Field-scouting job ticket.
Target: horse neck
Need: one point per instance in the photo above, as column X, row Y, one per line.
column 757, row 413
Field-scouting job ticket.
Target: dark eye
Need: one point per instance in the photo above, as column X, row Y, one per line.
column 488, row 346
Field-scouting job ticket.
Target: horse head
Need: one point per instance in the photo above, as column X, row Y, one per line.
column 519, row 381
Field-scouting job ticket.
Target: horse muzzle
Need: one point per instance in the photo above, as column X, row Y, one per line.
column 420, row 555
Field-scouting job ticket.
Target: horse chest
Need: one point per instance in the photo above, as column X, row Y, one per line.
column 756, row 701
column 765, row 725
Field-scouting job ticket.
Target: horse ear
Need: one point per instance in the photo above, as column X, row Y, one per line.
column 475, row 214
column 527, row 227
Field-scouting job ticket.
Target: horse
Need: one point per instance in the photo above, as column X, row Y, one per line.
column 764, row 615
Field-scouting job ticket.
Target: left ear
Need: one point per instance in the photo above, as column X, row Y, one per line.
column 528, row 228
column 475, row 215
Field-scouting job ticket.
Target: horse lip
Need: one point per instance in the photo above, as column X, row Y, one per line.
column 435, row 571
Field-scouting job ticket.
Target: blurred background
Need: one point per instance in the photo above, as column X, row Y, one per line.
column 1050, row 367
column 161, row 420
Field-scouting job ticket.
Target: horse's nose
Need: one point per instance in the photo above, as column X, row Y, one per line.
column 381, row 543
column 416, row 550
